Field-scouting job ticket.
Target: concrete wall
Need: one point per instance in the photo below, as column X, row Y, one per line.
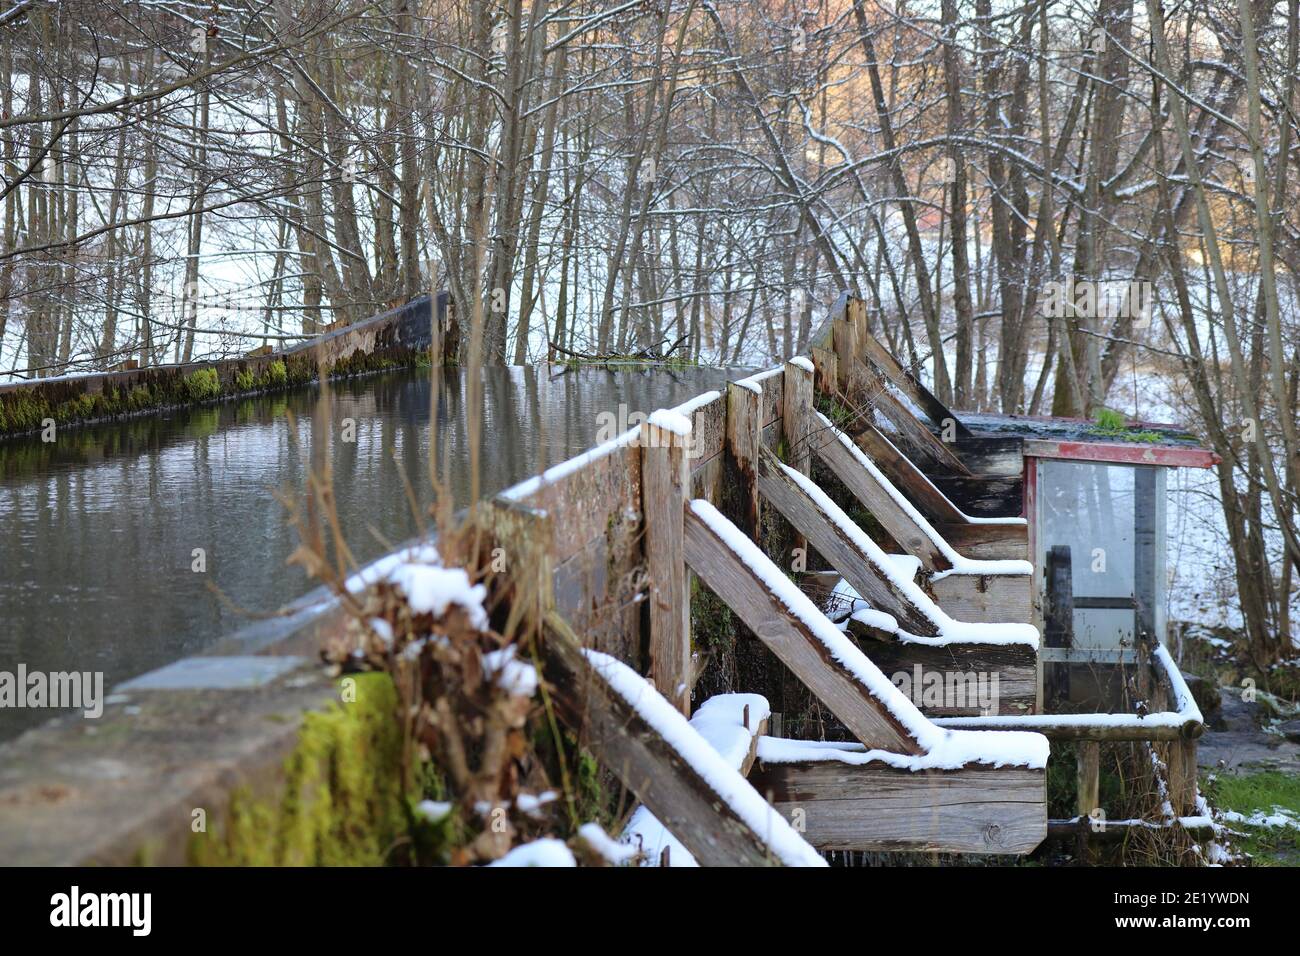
column 397, row 337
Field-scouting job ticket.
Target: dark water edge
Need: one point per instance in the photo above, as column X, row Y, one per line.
column 99, row 529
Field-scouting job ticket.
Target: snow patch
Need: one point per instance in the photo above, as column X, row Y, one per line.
column 547, row 851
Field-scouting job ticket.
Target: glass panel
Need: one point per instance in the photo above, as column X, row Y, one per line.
column 1089, row 507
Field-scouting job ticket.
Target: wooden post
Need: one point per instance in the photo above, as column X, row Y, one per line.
column 1089, row 782
column 1088, row 785
column 1181, row 763
column 855, row 311
column 744, row 435
column 845, row 337
column 797, row 423
column 826, row 370
column 665, row 486
column 796, row 415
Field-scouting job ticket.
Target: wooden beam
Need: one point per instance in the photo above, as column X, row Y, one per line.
column 866, row 388
column 1088, row 777
column 871, row 581
column 898, row 468
column 742, row 588
column 797, row 427
column 987, row 598
column 665, row 487
column 1014, row 664
column 1169, row 456
column 1069, row 727
column 873, row 806
column 845, row 338
column 887, row 365
column 825, row 371
column 1181, row 761
column 647, row 764
column 864, row 486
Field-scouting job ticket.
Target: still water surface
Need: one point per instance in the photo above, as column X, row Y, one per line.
column 98, row 530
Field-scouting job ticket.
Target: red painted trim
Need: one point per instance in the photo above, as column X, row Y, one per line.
column 1124, row 454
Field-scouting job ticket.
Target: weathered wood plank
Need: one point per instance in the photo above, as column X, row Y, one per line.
column 665, row 484
column 647, row 764
column 975, row 809
column 867, row 577
column 895, row 519
column 1181, row 761
column 866, row 388
column 845, row 338
column 991, row 541
column 708, row 431
column 744, row 438
column 790, row 638
column 1013, row 665
column 797, row 416
column 920, row 396
column 899, row 469
column 992, row 598
column 1088, row 776
column 826, row 374
column 984, row 497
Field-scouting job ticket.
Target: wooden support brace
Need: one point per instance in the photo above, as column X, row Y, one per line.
column 893, row 517
column 747, row 593
column 898, row 468
column 665, row 487
column 866, row 388
column 844, row 554
column 1181, row 761
column 1088, row 776
column 647, row 764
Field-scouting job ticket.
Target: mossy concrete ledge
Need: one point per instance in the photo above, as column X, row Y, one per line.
column 391, row 339
column 288, row 767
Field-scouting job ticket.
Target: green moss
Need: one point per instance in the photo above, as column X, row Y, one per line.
column 202, row 385
column 341, row 803
column 276, row 375
column 245, row 380
column 1112, row 424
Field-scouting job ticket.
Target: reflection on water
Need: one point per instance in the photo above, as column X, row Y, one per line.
column 99, row 530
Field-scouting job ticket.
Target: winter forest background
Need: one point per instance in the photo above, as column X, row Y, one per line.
column 698, row 180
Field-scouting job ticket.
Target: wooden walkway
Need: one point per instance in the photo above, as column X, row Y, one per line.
column 698, row 498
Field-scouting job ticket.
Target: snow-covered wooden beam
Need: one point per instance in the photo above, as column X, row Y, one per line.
column 898, row 521
column 1183, row 723
column 975, row 537
column 877, row 584
column 969, row 589
column 884, row 362
column 866, row 389
column 731, row 724
column 847, row 801
column 784, row 619
column 675, row 773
